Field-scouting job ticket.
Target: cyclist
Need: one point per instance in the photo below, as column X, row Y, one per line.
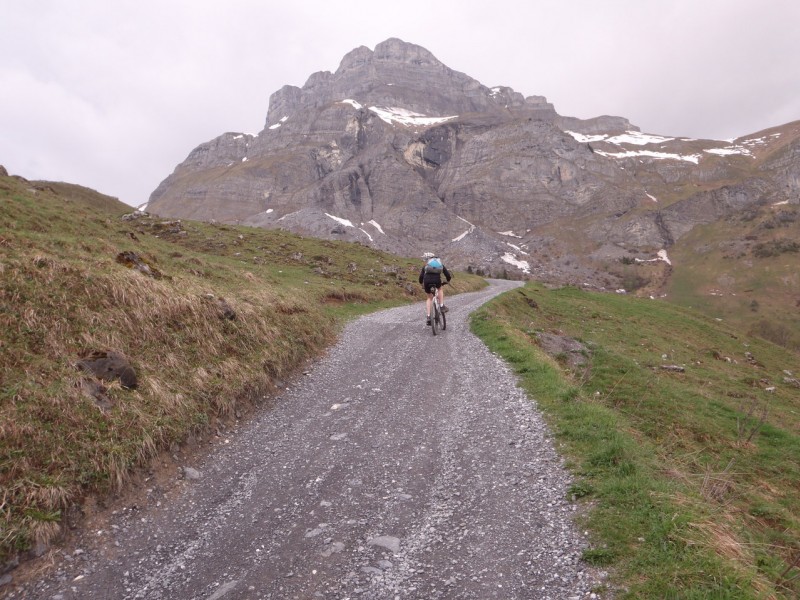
column 431, row 279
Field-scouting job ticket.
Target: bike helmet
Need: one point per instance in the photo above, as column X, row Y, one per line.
column 428, row 255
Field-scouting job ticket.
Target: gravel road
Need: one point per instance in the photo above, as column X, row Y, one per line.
column 401, row 466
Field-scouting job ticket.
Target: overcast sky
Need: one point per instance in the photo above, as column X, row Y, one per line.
column 113, row 94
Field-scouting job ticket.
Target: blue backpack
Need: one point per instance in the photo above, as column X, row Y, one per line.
column 434, row 265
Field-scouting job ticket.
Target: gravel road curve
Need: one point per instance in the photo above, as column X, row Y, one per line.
column 401, row 466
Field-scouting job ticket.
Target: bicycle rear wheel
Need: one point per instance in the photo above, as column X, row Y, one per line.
column 444, row 320
column 435, row 319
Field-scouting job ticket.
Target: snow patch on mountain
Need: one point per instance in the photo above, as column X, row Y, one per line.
column 344, row 222
column 692, row 158
column 401, row 116
column 730, row 150
column 637, row 138
column 517, row 248
column 743, row 147
column 660, row 256
column 467, row 232
column 405, row 117
column 583, row 138
column 523, row 265
column 376, row 226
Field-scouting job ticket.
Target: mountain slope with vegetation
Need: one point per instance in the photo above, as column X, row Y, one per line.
column 126, row 335
column 683, row 432
column 746, row 271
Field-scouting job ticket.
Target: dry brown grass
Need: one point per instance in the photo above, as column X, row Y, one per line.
column 719, row 535
column 723, row 539
column 193, row 363
column 719, row 485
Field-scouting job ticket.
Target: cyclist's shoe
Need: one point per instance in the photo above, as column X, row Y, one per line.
column 428, row 321
column 445, row 309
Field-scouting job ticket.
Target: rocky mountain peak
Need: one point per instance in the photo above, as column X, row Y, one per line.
column 396, row 50
column 392, row 50
column 356, row 58
column 400, row 74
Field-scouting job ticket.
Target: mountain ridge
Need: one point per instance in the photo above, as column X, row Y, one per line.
column 439, row 161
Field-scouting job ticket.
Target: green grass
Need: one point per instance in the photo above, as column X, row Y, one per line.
column 693, row 494
column 63, row 294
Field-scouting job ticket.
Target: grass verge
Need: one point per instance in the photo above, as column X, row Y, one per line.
column 682, row 434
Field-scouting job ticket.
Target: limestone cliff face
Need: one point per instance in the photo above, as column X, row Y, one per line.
column 398, row 151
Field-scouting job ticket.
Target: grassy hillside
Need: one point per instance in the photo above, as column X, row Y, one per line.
column 746, row 271
column 211, row 319
column 684, row 435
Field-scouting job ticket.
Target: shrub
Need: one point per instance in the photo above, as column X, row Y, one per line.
column 773, row 332
column 775, row 248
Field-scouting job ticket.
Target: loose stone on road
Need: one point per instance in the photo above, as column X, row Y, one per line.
column 402, row 466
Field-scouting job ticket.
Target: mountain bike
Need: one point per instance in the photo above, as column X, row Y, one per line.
column 438, row 318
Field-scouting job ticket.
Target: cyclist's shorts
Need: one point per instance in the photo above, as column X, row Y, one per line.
column 431, row 287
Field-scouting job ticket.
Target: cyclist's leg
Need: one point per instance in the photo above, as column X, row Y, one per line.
column 429, row 290
column 441, row 296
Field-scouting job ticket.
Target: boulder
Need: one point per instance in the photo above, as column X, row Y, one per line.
column 133, row 260
column 109, row 365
